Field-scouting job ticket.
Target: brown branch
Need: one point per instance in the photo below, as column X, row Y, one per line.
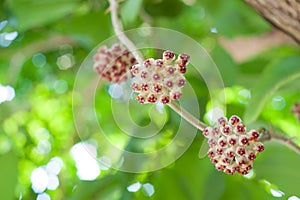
column 283, row 14
column 270, row 135
column 118, row 28
column 187, row 116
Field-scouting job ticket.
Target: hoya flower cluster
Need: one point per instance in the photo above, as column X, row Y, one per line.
column 160, row 80
column 114, row 63
column 231, row 148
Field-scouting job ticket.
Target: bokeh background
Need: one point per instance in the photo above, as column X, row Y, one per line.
column 42, row 45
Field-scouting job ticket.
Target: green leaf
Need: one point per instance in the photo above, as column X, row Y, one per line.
column 280, row 166
column 274, row 76
column 204, row 149
column 88, row 29
column 238, row 187
column 166, row 8
column 8, row 174
column 130, row 11
column 103, row 187
column 188, row 175
column 33, row 13
column 232, row 18
column 225, row 64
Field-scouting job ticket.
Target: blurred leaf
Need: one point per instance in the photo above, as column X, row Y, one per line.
column 8, row 174
column 130, row 11
column 88, row 29
column 280, row 166
column 188, row 175
column 226, row 65
column 33, row 13
column 204, row 149
column 238, row 187
column 217, row 180
column 273, row 77
column 166, row 8
column 100, row 188
column 232, row 18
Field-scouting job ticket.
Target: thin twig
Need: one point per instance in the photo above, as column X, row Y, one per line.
column 118, row 28
column 187, row 116
column 270, row 135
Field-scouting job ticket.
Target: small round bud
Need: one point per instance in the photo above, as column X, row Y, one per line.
column 240, row 128
column 135, row 86
column 170, row 70
column 254, row 134
column 159, row 63
column 232, row 140
column 219, row 151
column 241, row 151
column 214, row 160
column 149, row 62
column 207, row 132
column 135, row 69
column 181, row 82
column 243, row 140
column 211, row 153
column 220, row 167
column 145, row 87
column 222, row 121
column 216, row 131
column 222, row 142
column 184, row 58
column 225, row 159
column 241, row 160
column 176, row 95
column 156, row 77
column 141, row 99
column 234, row 120
column 229, row 153
column 226, row 130
column 251, row 155
column 168, row 55
column 182, row 69
column 157, row 88
column 169, row 84
column 152, row 98
column 144, row 75
column 212, row 142
column 165, row 99
column 259, row 147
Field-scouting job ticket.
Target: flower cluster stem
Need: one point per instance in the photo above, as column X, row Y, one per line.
column 118, row 28
column 269, row 135
column 187, row 116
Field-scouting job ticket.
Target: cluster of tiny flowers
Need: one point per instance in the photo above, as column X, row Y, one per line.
column 160, row 80
column 114, row 63
column 231, row 148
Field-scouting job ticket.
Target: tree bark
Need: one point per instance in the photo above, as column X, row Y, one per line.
column 283, row 14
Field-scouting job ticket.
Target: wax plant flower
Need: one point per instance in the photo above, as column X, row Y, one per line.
column 114, row 63
column 160, row 80
column 231, row 148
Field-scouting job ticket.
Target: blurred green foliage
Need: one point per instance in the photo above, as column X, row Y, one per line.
column 38, row 124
